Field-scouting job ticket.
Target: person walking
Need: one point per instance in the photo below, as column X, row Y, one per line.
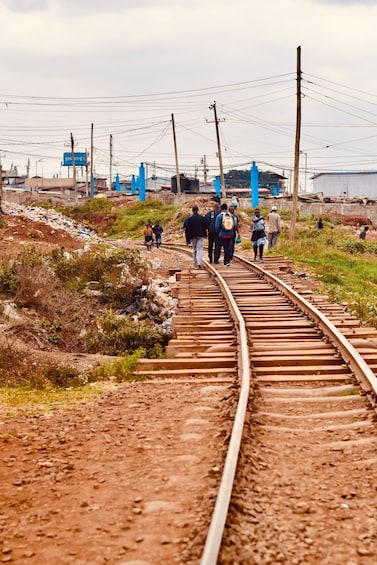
column 363, row 233
column 196, row 232
column 274, row 227
column 148, row 236
column 236, row 231
column 225, row 229
column 210, row 219
column 258, row 235
column 157, row 230
column 185, row 230
column 319, row 224
column 235, row 202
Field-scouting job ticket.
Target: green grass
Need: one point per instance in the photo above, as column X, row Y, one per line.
column 344, row 266
column 32, row 401
column 131, row 220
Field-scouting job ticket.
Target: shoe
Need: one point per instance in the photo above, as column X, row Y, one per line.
column 261, row 260
column 199, row 266
column 216, row 262
column 227, row 264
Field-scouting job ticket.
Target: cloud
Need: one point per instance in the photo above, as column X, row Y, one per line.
column 349, row 2
column 27, row 5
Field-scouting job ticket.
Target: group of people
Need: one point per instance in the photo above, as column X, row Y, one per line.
column 221, row 226
column 152, row 235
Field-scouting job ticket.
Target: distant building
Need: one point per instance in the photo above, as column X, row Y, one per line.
column 186, row 184
column 346, row 185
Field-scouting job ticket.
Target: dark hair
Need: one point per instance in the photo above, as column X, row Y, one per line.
column 224, row 206
column 195, row 208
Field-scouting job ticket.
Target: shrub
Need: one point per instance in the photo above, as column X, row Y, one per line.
column 121, row 370
column 120, row 335
column 8, row 279
column 62, row 376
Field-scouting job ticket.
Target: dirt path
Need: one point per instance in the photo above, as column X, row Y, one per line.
column 125, row 480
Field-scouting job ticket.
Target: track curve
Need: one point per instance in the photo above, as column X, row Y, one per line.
column 304, row 481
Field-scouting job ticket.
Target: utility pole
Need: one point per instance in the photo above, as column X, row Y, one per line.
column 306, row 168
column 205, row 170
column 91, row 161
column 297, row 148
column 176, row 157
column 73, row 162
column 222, row 181
column 86, row 174
column 111, row 159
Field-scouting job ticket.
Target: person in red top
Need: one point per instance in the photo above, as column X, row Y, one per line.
column 148, row 236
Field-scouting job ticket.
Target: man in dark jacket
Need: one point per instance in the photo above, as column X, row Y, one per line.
column 196, row 232
column 210, row 219
column 225, row 236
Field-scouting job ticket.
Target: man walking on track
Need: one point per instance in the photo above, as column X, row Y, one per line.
column 274, row 227
column 210, row 219
column 225, row 230
column 196, row 232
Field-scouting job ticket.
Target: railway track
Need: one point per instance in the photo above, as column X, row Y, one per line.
column 302, row 489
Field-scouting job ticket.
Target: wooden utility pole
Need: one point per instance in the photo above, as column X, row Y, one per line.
column 176, row 157
column 297, row 148
column 111, row 159
column 222, row 181
column 73, row 161
column 91, row 160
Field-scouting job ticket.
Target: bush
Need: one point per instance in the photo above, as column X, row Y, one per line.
column 61, row 376
column 120, row 370
column 8, row 279
column 120, row 335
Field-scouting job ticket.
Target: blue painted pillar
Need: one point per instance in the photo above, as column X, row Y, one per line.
column 117, row 182
column 142, row 183
column 133, row 185
column 217, row 186
column 254, row 182
column 92, row 186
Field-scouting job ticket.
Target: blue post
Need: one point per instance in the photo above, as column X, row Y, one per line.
column 117, row 182
column 142, row 183
column 92, row 187
column 254, row 181
column 218, row 186
column 133, row 185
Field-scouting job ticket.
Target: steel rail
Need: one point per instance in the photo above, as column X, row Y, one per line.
column 219, row 516
column 215, row 532
column 362, row 371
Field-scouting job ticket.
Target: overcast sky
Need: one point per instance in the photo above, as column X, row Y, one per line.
column 127, row 65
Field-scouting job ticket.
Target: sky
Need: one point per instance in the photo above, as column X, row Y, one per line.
column 128, row 66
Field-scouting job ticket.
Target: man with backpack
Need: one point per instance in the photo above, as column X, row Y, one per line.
column 225, row 227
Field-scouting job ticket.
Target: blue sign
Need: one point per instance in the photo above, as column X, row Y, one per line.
column 80, row 159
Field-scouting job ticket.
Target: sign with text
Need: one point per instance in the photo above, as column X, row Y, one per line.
column 80, row 159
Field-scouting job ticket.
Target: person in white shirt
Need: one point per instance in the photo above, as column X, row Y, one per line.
column 274, row 227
